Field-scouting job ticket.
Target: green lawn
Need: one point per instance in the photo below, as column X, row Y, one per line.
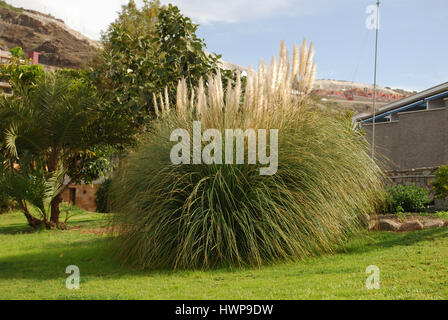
column 32, row 266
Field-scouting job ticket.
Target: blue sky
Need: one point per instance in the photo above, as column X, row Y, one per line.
column 412, row 48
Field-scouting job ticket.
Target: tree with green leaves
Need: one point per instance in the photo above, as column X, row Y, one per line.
column 51, row 131
column 145, row 51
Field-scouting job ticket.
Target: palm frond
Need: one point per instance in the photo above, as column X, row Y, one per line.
column 54, row 185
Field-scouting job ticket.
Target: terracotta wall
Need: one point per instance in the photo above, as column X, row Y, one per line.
column 82, row 196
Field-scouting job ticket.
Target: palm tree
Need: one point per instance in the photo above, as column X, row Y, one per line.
column 48, row 129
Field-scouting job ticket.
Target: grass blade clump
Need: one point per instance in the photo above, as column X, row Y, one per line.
column 205, row 216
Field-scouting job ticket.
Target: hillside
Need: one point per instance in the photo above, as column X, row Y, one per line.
column 354, row 96
column 59, row 45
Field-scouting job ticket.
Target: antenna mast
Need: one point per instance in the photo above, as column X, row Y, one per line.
column 374, row 83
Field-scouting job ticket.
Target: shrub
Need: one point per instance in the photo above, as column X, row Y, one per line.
column 440, row 183
column 101, row 196
column 406, row 198
column 19, row 72
column 205, row 216
column 441, row 214
column 6, row 205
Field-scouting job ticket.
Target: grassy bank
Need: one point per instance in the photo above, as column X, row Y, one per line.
column 32, row 266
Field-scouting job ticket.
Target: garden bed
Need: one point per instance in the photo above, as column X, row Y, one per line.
column 407, row 223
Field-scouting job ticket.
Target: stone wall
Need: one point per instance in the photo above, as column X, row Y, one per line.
column 422, row 177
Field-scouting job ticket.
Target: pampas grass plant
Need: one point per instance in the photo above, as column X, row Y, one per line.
column 207, row 216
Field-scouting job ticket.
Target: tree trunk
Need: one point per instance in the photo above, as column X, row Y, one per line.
column 55, row 211
column 32, row 221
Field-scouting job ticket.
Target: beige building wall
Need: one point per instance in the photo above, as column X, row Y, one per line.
column 417, row 139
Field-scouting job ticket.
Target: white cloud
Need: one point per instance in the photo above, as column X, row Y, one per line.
column 92, row 16
column 86, row 16
column 232, row 11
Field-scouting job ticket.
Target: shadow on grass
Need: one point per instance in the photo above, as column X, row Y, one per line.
column 383, row 240
column 23, row 228
column 93, row 257
column 96, row 260
column 18, row 228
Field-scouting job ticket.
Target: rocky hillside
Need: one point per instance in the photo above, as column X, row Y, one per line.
column 59, row 45
column 349, row 85
column 358, row 97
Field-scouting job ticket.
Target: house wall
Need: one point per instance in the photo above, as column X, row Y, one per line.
column 418, row 139
column 84, row 196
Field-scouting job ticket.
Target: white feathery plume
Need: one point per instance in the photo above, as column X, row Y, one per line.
column 295, row 63
column 179, row 100
column 167, row 100
column 230, row 97
column 202, row 99
column 237, row 92
column 156, row 107
column 184, row 93
column 192, row 98
column 303, row 59
column 312, row 77
column 161, row 103
column 266, row 90
column 248, row 96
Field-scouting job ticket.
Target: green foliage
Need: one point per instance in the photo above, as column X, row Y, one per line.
column 21, row 73
column 402, row 216
column 54, row 125
column 442, row 214
column 26, row 74
column 201, row 216
column 146, row 50
column 77, row 75
column 102, row 196
column 440, row 184
column 36, row 189
column 406, row 199
column 17, row 52
column 3, row 4
column 6, row 205
column 137, row 22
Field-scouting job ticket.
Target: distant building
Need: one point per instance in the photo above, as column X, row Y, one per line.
column 82, row 196
column 411, row 135
column 413, row 132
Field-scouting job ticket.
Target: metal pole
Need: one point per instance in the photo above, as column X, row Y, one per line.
column 374, row 83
